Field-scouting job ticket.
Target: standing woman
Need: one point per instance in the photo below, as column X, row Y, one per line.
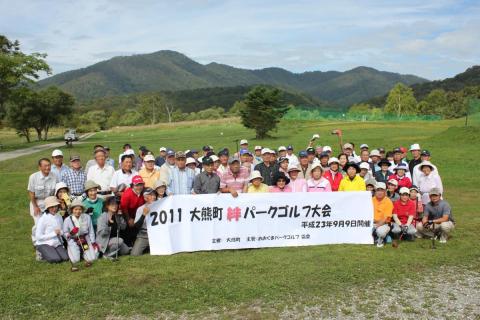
column 318, row 183
column 342, row 160
column 48, row 234
column 109, row 226
column 78, row 230
column 141, row 243
column 427, row 180
column 333, row 174
column 280, row 183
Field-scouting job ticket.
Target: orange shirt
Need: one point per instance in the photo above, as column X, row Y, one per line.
column 382, row 210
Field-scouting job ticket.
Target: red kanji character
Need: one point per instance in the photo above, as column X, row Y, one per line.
column 233, row 213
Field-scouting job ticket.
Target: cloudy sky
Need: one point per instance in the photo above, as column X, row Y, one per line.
column 432, row 39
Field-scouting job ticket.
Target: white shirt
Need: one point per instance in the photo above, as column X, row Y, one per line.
column 45, row 232
column 417, row 172
column 120, row 177
column 222, row 169
column 426, row 183
column 42, row 186
column 102, row 176
column 292, row 159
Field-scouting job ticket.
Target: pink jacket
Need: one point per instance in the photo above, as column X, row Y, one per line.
column 299, row 185
column 322, row 185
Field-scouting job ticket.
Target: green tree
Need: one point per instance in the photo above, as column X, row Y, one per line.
column 457, row 105
column 360, row 109
column 21, row 111
column 53, row 105
column 401, row 101
column 17, row 68
column 434, row 103
column 263, row 110
column 151, row 106
column 237, row 107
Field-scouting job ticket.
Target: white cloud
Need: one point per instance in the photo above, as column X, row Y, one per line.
column 434, row 39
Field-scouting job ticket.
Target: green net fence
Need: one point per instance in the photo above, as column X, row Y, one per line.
column 315, row 114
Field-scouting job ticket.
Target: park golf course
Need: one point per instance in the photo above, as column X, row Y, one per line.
column 348, row 281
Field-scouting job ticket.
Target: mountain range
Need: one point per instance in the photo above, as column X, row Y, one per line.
column 172, row 71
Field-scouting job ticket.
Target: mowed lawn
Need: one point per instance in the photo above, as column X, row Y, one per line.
column 196, row 282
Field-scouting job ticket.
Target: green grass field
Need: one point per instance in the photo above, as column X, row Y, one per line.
column 10, row 141
column 204, row 282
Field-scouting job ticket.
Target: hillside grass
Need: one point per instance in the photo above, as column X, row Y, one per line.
column 194, row 283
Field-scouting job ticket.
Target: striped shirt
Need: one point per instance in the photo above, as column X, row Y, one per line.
column 181, row 181
column 236, row 182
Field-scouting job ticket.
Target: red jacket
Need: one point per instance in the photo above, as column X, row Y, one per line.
column 335, row 183
column 402, row 181
column 130, row 202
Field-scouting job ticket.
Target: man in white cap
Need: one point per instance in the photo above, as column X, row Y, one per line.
column 292, row 158
column 160, row 160
column 416, row 151
column 243, row 146
column 349, row 151
column 258, row 155
column 148, row 173
column 375, row 157
column 267, row 168
column 41, row 185
column 168, row 166
column 58, row 168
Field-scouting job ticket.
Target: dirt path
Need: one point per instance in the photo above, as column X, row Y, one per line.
column 23, row 152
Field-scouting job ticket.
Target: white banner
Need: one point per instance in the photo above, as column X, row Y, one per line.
column 186, row 223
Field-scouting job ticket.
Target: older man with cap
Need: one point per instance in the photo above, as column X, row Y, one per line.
column 223, row 155
column 100, row 172
column 349, row 151
column 181, row 178
column 75, row 177
column 235, row 180
column 428, row 180
column 374, row 160
column 382, row 213
column 160, row 160
column 425, row 155
column 415, row 150
column 58, row 168
column 437, row 217
column 90, row 163
column 148, row 173
column 352, row 181
column 292, row 158
column 41, row 185
column 123, row 175
column 207, row 181
column 257, row 158
column 168, row 166
column 398, row 159
column 267, row 168
column 243, row 146
column 404, row 212
column 305, row 166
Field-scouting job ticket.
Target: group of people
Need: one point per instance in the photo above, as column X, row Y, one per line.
column 100, row 209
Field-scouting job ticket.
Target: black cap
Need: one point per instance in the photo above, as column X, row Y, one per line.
column 207, row 160
column 397, row 150
column 425, row 153
column 353, row 165
column 324, row 154
column 384, row 161
column 206, row 148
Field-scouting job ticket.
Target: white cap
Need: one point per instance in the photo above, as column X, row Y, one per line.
column 381, row 185
column 282, row 148
column 163, row 149
column 190, row 161
column 364, row 165
column 393, row 181
column 214, row 158
column 415, row 146
column 57, row 153
column 266, row 150
column 128, row 152
column 375, row 153
column 255, row 174
column 404, row 190
column 258, row 148
column 364, row 145
column 327, row 149
column 316, row 165
column 333, row 160
column 187, row 151
column 292, row 167
column 148, row 157
column 243, row 141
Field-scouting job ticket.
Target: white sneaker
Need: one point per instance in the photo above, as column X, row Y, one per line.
column 380, row 244
column 38, row 256
column 443, row 240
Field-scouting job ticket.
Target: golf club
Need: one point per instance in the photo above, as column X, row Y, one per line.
column 339, row 134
